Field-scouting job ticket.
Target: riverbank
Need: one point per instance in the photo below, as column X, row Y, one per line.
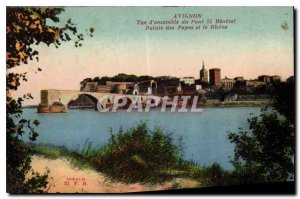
column 207, row 104
column 74, row 171
column 145, row 158
column 218, row 104
column 64, row 177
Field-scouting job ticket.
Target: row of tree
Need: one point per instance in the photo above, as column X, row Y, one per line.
column 121, row 77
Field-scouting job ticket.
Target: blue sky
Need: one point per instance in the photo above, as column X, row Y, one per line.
column 255, row 45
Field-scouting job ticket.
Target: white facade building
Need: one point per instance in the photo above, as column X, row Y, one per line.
column 188, row 80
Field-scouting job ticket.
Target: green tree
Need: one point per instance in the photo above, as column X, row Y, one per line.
column 27, row 27
column 284, row 99
column 104, row 79
column 145, row 78
column 266, row 152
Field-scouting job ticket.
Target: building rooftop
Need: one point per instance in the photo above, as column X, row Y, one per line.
column 188, row 77
column 215, row 69
column 227, row 78
column 264, row 76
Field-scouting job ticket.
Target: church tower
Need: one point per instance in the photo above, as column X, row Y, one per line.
column 203, row 74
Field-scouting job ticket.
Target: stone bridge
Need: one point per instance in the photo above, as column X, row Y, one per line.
column 57, row 100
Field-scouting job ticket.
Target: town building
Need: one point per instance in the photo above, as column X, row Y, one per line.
column 103, row 88
column 264, row 78
column 239, row 78
column 188, row 88
column 203, row 74
column 198, row 87
column 114, row 87
column 90, row 87
column 120, row 87
column 188, row 80
column 227, row 83
column 147, row 87
column 252, row 84
column 168, row 86
column 215, row 76
column 201, row 83
column 275, row 78
column 240, row 82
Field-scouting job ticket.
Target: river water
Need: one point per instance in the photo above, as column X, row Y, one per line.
column 204, row 134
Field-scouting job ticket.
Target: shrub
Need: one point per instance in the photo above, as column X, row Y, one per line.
column 214, row 175
column 139, row 154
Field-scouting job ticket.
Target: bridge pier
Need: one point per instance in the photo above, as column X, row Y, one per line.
column 52, row 109
column 54, row 101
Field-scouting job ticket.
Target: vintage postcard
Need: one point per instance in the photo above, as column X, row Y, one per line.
column 150, row 99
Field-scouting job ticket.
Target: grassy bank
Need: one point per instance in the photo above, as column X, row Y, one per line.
column 139, row 154
column 254, row 103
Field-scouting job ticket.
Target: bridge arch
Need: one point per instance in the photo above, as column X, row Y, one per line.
column 83, row 101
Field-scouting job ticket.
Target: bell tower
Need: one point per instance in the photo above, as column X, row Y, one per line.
column 203, row 74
